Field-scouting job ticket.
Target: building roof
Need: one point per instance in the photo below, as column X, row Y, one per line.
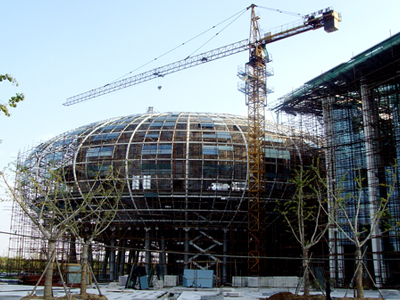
column 374, row 66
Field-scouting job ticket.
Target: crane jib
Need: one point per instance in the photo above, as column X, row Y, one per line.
column 327, row 19
column 161, row 71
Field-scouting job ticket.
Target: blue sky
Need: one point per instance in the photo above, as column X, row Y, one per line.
column 57, row 49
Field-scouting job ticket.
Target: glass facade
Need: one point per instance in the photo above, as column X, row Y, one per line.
column 357, row 103
column 185, row 175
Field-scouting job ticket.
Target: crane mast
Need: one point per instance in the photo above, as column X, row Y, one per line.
column 256, row 96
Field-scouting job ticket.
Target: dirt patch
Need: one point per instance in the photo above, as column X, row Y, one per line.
column 290, row 296
column 71, row 297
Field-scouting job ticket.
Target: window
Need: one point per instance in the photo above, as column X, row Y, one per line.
column 209, row 136
column 210, row 150
column 63, row 142
column 148, row 168
column 93, row 171
column 149, row 149
column 160, row 167
column 156, row 124
column 159, row 119
column 171, row 119
column 100, row 152
column 53, row 157
column 105, row 137
column 274, row 153
column 146, row 182
column 224, row 135
column 210, row 169
column 207, row 125
column 114, row 127
column 135, row 182
column 225, row 148
column 166, row 136
column 156, row 149
column 164, row 149
column 152, row 136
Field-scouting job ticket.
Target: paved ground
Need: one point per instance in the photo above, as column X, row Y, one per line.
column 115, row 292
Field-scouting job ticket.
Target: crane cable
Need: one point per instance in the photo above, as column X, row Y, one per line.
column 240, row 13
column 282, row 11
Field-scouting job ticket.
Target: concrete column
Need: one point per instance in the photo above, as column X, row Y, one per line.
column 163, row 262
column 122, row 258
column 131, row 257
column 225, row 260
column 369, row 120
column 336, row 263
column 186, row 257
column 105, row 263
column 72, row 250
column 147, row 244
column 112, row 260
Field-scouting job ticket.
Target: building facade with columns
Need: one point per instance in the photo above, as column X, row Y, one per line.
column 357, row 106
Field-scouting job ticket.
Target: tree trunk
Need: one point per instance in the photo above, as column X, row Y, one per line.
column 48, row 281
column 306, row 273
column 359, row 274
column 84, row 266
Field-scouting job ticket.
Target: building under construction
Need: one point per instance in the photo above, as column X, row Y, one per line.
column 357, row 104
column 184, row 204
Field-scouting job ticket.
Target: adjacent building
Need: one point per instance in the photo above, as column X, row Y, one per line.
column 357, row 105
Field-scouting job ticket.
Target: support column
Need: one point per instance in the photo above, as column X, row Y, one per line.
column 112, row 260
column 131, row 257
column 162, row 259
column 225, row 260
column 369, row 120
column 122, row 258
column 336, row 261
column 186, row 257
column 72, row 250
column 147, row 249
column 105, row 264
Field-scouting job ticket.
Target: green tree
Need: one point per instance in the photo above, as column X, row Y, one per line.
column 12, row 102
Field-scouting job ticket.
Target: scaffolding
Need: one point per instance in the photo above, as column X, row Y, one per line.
column 184, row 203
column 357, row 107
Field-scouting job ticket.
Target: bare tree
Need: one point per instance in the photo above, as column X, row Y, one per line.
column 101, row 214
column 55, row 206
column 346, row 210
column 305, row 216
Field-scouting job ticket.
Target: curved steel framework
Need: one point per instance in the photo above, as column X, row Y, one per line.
column 186, row 187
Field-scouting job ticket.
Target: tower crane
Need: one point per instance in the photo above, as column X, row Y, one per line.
column 256, row 100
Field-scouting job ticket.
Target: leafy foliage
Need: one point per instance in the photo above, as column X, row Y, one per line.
column 12, row 102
